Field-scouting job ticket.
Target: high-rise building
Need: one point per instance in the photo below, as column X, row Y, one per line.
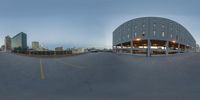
column 7, row 43
column 35, row 45
column 19, row 41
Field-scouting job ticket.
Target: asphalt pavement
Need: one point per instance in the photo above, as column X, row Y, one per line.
column 100, row 76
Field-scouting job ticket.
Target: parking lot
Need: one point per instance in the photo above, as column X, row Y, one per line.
column 100, row 76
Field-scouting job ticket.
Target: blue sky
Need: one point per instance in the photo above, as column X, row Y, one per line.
column 87, row 23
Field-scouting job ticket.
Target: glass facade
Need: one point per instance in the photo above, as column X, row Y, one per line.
column 19, row 41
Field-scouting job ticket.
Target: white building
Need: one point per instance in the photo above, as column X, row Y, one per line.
column 35, row 45
column 78, row 50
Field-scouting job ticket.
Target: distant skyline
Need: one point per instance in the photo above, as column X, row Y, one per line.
column 88, row 23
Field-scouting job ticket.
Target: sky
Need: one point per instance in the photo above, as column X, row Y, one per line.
column 88, row 23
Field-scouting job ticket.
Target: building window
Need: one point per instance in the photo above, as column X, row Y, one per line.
column 128, row 36
column 163, row 34
column 143, row 33
column 171, row 26
column 135, row 35
column 163, row 26
column 171, row 36
column 154, row 25
column 177, row 37
column 154, row 33
column 143, row 25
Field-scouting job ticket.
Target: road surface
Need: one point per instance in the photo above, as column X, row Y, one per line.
column 100, row 76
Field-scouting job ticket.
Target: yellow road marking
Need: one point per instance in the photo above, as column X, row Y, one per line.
column 42, row 75
column 68, row 64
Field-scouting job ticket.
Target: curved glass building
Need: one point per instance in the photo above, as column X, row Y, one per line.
column 152, row 36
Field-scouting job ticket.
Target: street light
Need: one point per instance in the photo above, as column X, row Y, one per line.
column 138, row 39
column 173, row 41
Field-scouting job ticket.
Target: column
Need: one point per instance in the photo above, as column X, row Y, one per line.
column 131, row 46
column 55, row 52
column 116, row 49
column 121, row 47
column 178, row 47
column 190, row 49
column 149, row 48
column 185, row 48
column 166, row 47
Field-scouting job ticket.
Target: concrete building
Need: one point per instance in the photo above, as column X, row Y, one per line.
column 41, row 49
column 35, row 45
column 19, row 41
column 59, row 49
column 7, row 44
column 151, row 36
column 78, row 50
